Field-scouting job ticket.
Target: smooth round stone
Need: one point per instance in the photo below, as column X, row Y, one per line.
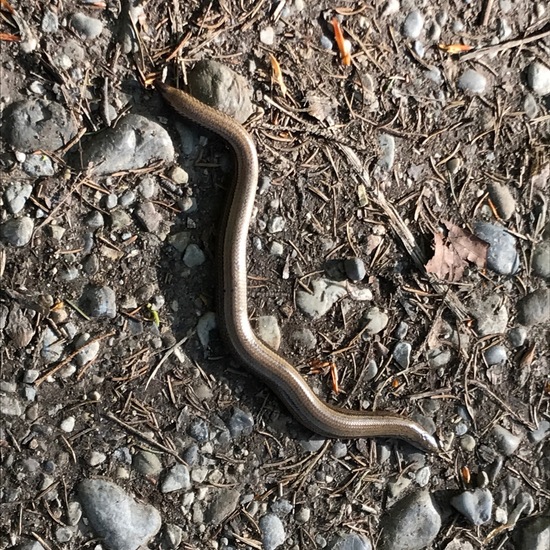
column 468, row 443
column 17, row 232
column 355, row 269
column 413, row 25
column 495, row 355
column 502, row 197
column 534, row 308
column 538, row 78
column 506, row 441
column 472, row 81
column 540, row 261
column 517, row 336
column 476, row 506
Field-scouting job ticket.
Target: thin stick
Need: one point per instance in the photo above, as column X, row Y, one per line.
column 504, row 46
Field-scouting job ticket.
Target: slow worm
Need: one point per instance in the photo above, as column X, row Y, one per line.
column 234, row 324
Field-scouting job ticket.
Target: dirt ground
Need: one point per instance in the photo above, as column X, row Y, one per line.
column 153, row 376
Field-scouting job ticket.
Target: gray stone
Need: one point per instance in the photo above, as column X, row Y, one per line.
column 29, row 124
column 17, row 231
column 495, row 355
column 241, row 423
column 375, row 321
column 386, row 143
column 339, row 449
column 193, row 256
column 325, row 294
column 52, row 346
column 134, row 143
column 402, row 354
column 439, row 357
column 540, row 261
column 99, row 302
column 534, row 308
column 176, row 479
column 16, row 196
column 502, row 257
column 94, row 220
column 147, row 463
column 86, row 26
column 122, row 522
column 411, row 524
column 223, row 505
column 533, row 534
column 517, row 336
column 89, row 351
column 172, row 536
column 273, row 532
column 303, row 338
column 542, row 432
column 10, row 405
column 50, row 21
column 473, row 82
column 198, row 430
column 350, row 541
column 476, row 506
column 34, row 545
column 218, row 86
column 276, row 224
column 538, row 78
column 413, row 25
column 38, row 166
column 267, row 328
column 148, row 216
column 506, row 441
column 313, row 443
column 355, row 269
column 468, row 443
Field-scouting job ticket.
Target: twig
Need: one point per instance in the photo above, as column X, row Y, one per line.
column 70, row 357
column 146, row 438
column 487, row 12
column 504, row 46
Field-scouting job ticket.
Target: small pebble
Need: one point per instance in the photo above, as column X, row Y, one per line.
column 538, row 78
column 86, row 26
column 506, row 441
column 375, row 321
column 193, row 256
column 339, row 449
column 68, row 424
column 468, row 443
column 402, row 354
column 517, row 336
column 412, row 27
column 540, row 261
column 534, row 308
column 472, row 81
column 355, row 269
column 542, row 432
column 97, row 458
column 495, row 355
column 176, row 479
column 475, row 505
column 272, row 531
column 267, row 36
column 17, row 232
column 303, row 514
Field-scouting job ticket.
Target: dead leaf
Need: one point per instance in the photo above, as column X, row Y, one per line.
column 455, row 48
column 451, row 255
column 277, row 74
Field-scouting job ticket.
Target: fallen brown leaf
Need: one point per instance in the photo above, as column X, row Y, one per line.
column 451, row 255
